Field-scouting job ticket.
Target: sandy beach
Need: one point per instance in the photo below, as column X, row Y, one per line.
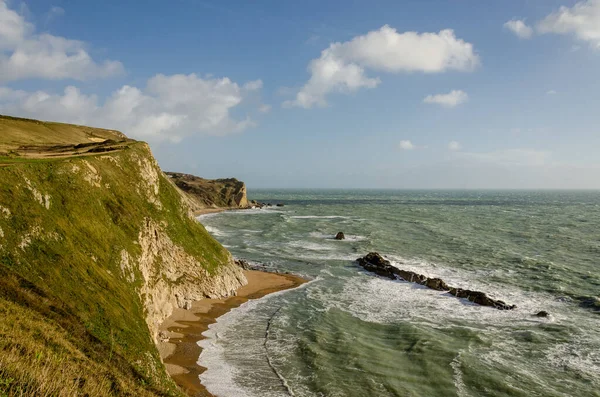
column 205, row 211
column 184, row 328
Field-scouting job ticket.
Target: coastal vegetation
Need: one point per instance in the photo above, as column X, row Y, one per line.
column 97, row 247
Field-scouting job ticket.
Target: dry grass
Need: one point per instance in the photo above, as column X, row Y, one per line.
column 44, row 351
column 16, row 132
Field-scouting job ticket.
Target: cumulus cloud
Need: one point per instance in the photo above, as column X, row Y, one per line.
column 253, row 85
column 26, row 54
column 406, row 145
column 342, row 66
column 454, row 145
column 169, row 108
column 450, row 100
column 519, row 28
column 582, row 20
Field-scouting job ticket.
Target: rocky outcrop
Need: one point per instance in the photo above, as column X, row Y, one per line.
column 258, row 204
column 375, row 263
column 243, row 264
column 340, row 236
column 212, row 193
column 172, row 278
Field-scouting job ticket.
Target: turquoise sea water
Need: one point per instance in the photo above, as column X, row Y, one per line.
column 351, row 333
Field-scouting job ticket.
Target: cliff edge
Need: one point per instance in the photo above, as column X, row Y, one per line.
column 212, row 193
column 97, row 247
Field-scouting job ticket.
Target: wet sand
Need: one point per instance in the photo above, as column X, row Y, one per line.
column 185, row 327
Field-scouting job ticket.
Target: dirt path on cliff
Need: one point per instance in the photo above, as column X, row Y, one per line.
column 30, row 153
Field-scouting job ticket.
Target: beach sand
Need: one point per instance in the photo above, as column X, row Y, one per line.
column 204, row 211
column 185, row 327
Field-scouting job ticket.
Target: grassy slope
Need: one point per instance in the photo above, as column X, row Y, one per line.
column 17, row 131
column 69, row 321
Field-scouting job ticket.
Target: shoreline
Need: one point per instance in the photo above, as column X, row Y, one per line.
column 184, row 328
column 205, row 211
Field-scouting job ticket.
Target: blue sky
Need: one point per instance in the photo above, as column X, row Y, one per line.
column 340, row 94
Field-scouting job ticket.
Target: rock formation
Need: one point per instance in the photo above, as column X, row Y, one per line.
column 375, row 263
column 212, row 193
column 340, row 236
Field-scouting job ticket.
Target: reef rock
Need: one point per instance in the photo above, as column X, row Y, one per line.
column 375, row 263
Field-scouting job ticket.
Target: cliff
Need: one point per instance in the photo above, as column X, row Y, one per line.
column 212, row 193
column 97, row 246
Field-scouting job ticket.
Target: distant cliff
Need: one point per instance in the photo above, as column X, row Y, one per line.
column 212, row 193
column 97, row 247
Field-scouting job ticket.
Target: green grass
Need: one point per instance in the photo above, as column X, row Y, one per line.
column 64, row 302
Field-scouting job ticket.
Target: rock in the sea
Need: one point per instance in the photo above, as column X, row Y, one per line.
column 375, row 263
column 280, row 204
column 590, row 302
column 437, row 284
column 411, row 276
column 340, row 236
column 480, row 298
column 542, row 314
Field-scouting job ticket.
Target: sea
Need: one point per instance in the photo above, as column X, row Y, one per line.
column 349, row 332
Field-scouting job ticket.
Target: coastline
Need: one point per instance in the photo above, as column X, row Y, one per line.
column 205, row 211
column 184, row 328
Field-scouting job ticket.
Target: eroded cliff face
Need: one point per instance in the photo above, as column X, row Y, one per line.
column 173, row 278
column 211, row 193
column 96, row 250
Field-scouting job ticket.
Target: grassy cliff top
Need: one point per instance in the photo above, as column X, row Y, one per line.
column 15, row 132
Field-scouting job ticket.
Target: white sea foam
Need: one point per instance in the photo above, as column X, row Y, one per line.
column 307, row 245
column 215, row 231
column 461, row 388
column 348, row 237
column 580, row 357
column 223, row 341
column 319, row 217
column 381, row 300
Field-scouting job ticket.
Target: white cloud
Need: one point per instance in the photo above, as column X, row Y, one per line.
column 264, row 108
column 519, row 28
column 581, row 20
column 342, row 66
column 253, row 85
column 450, row 100
column 406, row 145
column 170, row 108
column 25, row 54
column 551, row 92
column 454, row 145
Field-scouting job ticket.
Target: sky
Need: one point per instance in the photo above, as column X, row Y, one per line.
column 323, row 94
